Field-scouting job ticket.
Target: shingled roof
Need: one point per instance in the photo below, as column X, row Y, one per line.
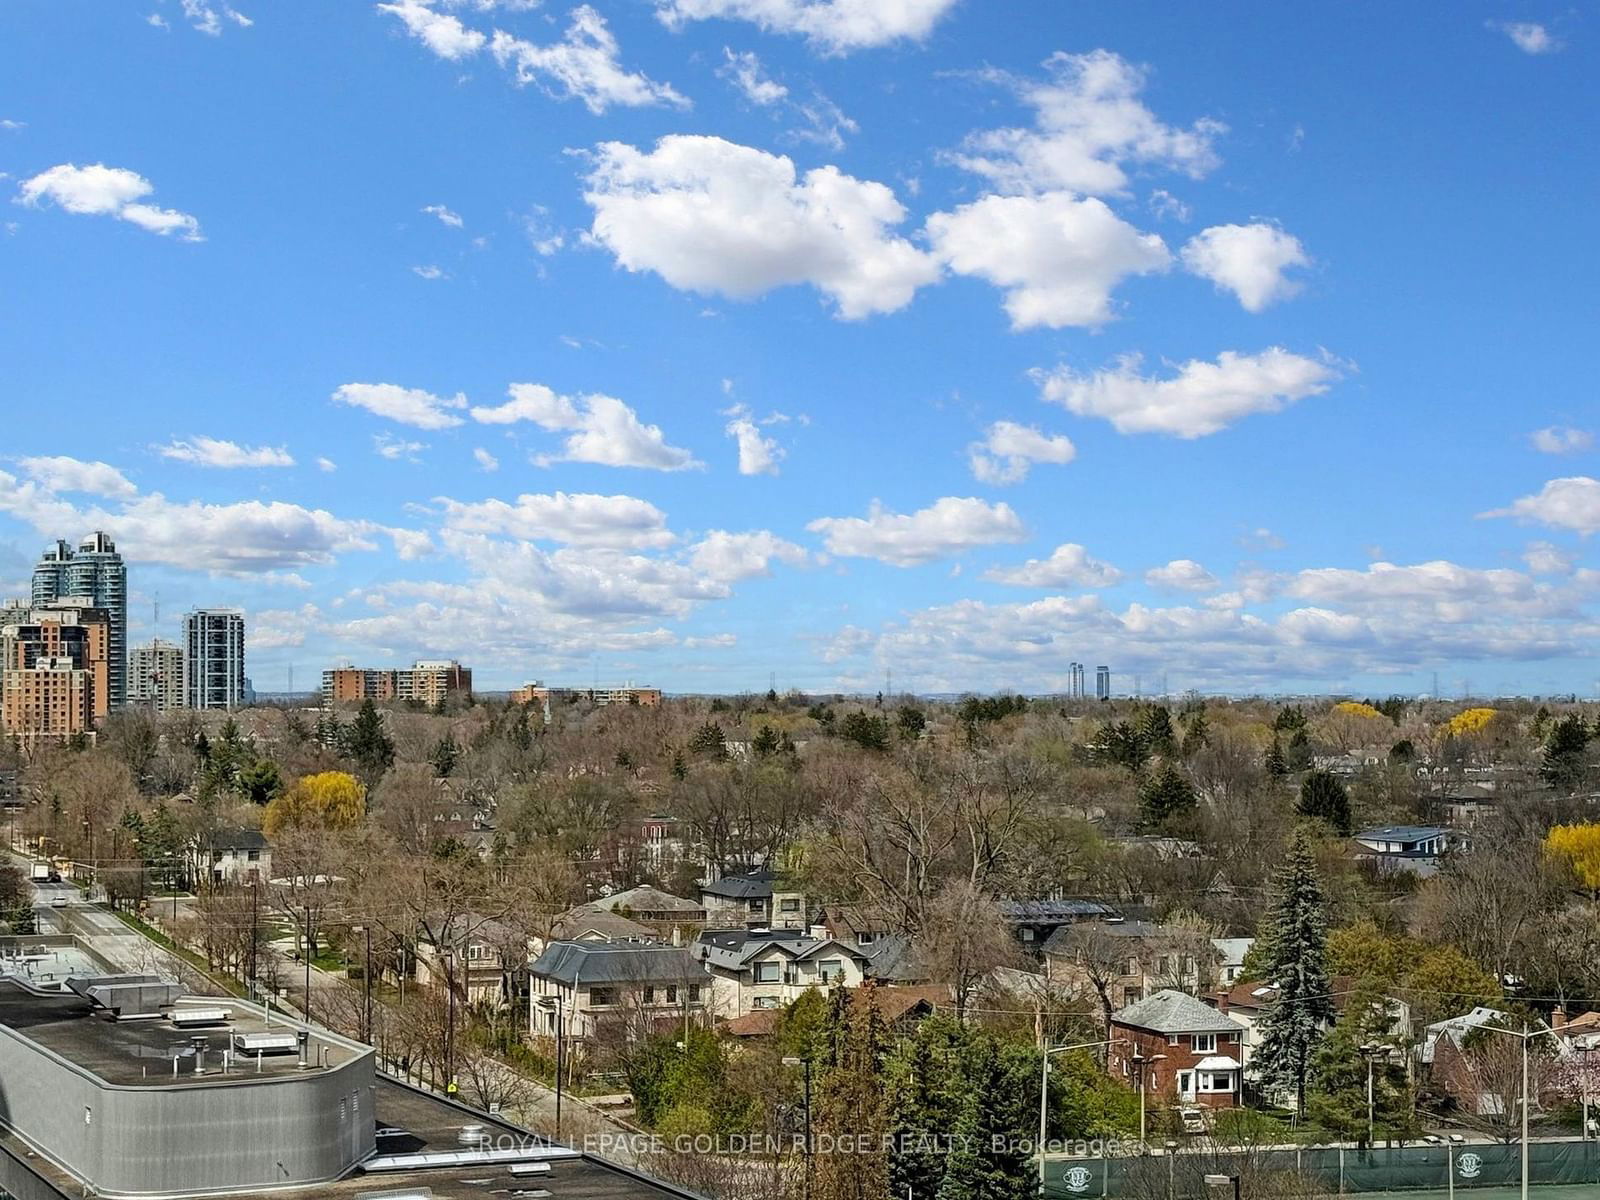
column 578, row 963
column 1169, row 1011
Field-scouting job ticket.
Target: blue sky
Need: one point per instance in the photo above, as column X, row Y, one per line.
column 698, row 342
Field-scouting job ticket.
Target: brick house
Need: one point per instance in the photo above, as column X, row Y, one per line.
column 1199, row 1049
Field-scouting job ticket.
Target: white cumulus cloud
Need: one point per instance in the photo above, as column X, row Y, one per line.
column 1009, row 450
column 744, row 71
column 204, row 451
column 99, row 190
column 445, row 216
column 580, row 518
column 1570, row 503
column 834, row 26
column 948, row 526
column 441, row 33
column 1202, row 398
column 407, row 406
column 1088, row 123
column 60, row 473
column 758, row 453
column 484, row 459
column 600, row 429
column 584, row 65
column 1069, row 566
column 1181, row 575
column 1247, row 260
column 1056, row 256
column 709, row 215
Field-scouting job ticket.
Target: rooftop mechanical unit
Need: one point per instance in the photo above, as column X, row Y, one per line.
column 265, row 1043
column 198, row 1018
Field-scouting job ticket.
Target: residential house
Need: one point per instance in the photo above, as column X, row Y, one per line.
column 1414, row 848
column 240, row 856
column 1230, row 957
column 672, row 918
column 1124, row 961
column 1183, row 1046
column 856, row 924
column 1445, row 1059
column 592, row 923
column 487, row 962
column 756, row 900
column 1033, row 921
column 627, row 987
column 756, row 969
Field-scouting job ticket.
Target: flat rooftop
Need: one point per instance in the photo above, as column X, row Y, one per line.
column 419, row 1122
column 140, row 1051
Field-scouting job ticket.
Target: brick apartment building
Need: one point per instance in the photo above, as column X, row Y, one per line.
column 428, row 682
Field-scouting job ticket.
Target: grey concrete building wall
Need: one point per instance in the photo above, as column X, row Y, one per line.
column 187, row 1138
column 213, row 658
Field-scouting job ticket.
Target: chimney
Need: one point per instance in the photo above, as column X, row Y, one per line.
column 1558, row 1017
column 1223, row 1001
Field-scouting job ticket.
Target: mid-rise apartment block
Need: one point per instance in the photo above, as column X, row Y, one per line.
column 1102, row 683
column 94, row 573
column 430, row 682
column 155, row 675
column 537, row 693
column 213, row 658
column 54, row 671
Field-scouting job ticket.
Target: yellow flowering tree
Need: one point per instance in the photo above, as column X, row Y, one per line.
column 1578, row 848
column 1355, row 708
column 1470, row 721
column 327, row 800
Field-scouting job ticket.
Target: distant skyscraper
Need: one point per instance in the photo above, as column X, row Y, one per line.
column 1075, row 681
column 155, row 675
column 213, row 658
column 93, row 572
column 1102, row 683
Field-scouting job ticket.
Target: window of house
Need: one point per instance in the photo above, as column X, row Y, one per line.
column 1204, row 1043
column 831, row 968
column 1131, row 967
column 756, row 906
column 865, row 939
column 694, row 993
column 791, row 905
column 764, row 1002
column 672, row 993
column 1027, row 933
column 1216, row 1081
column 1172, row 1039
column 254, row 856
column 649, row 995
column 601, row 997
column 1163, row 965
column 1186, row 1083
column 767, row 972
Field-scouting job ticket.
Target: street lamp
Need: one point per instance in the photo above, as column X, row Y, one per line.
column 1370, row 1051
column 792, row 1061
column 1141, row 1062
column 1044, row 1089
column 1526, row 1035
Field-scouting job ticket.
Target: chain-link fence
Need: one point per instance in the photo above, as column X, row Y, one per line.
column 1323, row 1171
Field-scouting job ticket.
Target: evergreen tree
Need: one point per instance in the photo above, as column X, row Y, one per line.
column 709, row 741
column 1165, row 796
column 259, row 782
column 1196, row 735
column 1289, row 718
column 1120, row 744
column 1277, row 766
column 850, row 1103
column 1156, row 730
column 1295, row 959
column 1565, row 762
column 765, row 743
column 367, row 744
column 444, row 756
column 910, row 722
column 1323, row 797
column 679, row 768
column 868, row 732
column 925, row 1110
column 1299, row 751
column 990, row 1158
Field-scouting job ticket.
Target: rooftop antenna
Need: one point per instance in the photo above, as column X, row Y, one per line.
column 156, row 611
column 888, row 681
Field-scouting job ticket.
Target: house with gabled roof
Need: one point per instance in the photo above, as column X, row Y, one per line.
column 768, row 968
column 1183, row 1047
column 633, row 985
column 755, row 899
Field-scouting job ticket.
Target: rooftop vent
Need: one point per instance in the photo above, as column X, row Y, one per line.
column 196, row 1018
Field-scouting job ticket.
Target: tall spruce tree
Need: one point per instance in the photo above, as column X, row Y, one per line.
column 1295, row 958
column 851, row 1106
